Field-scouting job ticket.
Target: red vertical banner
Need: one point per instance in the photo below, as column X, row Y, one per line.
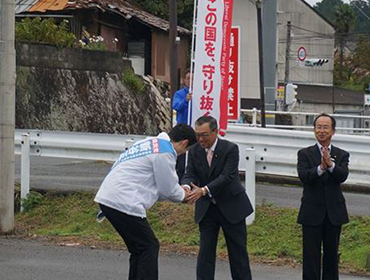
column 225, row 59
column 233, row 97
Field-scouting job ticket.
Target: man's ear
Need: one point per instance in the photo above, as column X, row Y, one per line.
column 184, row 143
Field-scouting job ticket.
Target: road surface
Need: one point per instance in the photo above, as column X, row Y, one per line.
column 35, row 260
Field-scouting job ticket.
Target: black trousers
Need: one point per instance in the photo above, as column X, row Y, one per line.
column 313, row 236
column 140, row 241
column 236, row 242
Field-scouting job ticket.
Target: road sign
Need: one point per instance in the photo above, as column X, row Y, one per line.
column 367, row 99
column 302, row 53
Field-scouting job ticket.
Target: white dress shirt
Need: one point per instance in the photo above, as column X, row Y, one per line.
column 133, row 186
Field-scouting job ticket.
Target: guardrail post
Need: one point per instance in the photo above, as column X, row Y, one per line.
column 25, row 167
column 254, row 117
column 250, row 181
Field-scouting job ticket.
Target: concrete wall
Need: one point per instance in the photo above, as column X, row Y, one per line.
column 245, row 16
column 310, row 31
column 49, row 56
column 89, row 101
column 81, row 90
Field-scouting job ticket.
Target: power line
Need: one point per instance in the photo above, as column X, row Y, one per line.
column 308, row 30
column 335, row 34
column 361, row 11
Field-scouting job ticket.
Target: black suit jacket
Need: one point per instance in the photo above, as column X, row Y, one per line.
column 322, row 194
column 222, row 179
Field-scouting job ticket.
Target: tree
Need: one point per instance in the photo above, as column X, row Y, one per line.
column 361, row 9
column 327, row 7
column 361, row 58
column 362, row 13
column 159, row 8
column 344, row 23
column 356, row 67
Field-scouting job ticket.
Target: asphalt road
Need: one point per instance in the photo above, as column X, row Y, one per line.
column 35, row 260
column 80, row 175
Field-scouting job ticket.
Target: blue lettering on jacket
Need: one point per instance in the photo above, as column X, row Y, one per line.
column 144, row 148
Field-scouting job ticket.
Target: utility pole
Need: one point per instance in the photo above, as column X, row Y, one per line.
column 260, row 57
column 7, row 115
column 173, row 50
column 269, row 35
column 287, row 57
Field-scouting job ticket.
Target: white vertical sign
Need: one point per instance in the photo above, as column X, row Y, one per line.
column 211, row 61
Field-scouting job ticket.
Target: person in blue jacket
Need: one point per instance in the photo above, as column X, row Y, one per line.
column 180, row 104
column 181, row 100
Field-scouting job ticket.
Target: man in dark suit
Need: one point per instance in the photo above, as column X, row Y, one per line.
column 221, row 201
column 321, row 169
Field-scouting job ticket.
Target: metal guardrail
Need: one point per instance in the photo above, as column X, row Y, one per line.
column 262, row 150
column 276, row 150
column 90, row 146
column 355, row 130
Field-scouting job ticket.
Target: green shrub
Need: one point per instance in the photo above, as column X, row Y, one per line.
column 133, row 82
column 32, row 200
column 44, row 31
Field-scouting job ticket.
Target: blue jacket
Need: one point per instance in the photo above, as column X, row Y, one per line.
column 180, row 104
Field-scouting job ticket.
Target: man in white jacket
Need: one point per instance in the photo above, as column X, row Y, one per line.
column 142, row 175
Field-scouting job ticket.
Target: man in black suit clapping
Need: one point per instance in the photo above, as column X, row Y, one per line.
column 322, row 168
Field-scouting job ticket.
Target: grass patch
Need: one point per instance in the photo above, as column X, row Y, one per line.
column 133, row 82
column 274, row 236
column 32, row 200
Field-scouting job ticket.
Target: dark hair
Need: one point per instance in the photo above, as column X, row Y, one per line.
column 187, row 70
column 333, row 121
column 181, row 132
column 207, row 119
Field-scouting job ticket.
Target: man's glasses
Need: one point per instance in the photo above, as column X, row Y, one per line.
column 204, row 135
column 322, row 127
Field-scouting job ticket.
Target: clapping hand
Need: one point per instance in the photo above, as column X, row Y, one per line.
column 325, row 159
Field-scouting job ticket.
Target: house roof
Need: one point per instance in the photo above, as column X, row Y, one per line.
column 324, row 95
column 123, row 7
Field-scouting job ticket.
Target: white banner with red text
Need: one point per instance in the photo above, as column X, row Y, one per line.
column 211, row 61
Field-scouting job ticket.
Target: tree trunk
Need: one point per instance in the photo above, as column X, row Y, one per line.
column 341, row 46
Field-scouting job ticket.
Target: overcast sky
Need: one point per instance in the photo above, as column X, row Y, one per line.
column 313, row 2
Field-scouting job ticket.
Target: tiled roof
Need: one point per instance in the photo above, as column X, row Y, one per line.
column 123, row 7
column 23, row 5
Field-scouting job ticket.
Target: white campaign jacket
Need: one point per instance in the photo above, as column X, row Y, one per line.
column 134, row 185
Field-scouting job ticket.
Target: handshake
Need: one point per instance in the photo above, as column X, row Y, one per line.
column 193, row 194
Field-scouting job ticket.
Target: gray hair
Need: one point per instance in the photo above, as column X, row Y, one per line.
column 207, row 119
